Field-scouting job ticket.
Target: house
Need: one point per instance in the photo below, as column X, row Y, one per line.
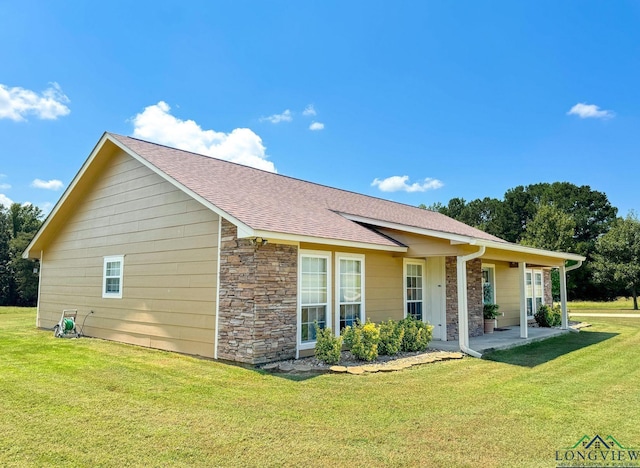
column 173, row 250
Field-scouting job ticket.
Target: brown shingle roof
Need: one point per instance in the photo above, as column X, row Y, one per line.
column 271, row 202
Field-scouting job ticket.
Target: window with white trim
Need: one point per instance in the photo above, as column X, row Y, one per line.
column 314, row 293
column 534, row 291
column 112, row 277
column 414, row 289
column 488, row 284
column 350, row 285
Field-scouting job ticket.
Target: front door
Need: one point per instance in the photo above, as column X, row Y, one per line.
column 435, row 297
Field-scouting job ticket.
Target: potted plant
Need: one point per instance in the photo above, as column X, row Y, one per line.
column 490, row 312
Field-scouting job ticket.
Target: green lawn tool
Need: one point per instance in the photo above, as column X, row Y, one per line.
column 66, row 327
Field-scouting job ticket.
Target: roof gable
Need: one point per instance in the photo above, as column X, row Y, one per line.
column 270, row 202
column 270, row 205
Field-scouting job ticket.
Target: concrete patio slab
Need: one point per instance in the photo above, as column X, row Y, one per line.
column 505, row 338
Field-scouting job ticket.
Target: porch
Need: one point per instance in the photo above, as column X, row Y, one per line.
column 503, row 338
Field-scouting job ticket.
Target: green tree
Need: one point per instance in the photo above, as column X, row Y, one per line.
column 513, row 217
column 550, row 229
column 6, row 277
column 617, row 258
column 18, row 277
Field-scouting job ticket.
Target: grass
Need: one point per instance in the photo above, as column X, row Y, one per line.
column 89, row 402
column 620, row 305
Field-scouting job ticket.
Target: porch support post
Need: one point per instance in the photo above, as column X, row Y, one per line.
column 463, row 311
column 463, row 321
column 524, row 330
column 563, row 297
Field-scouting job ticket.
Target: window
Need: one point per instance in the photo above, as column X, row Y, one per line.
column 350, row 298
column 112, row 277
column 534, row 291
column 488, row 284
column 414, row 289
column 314, row 295
column 537, row 288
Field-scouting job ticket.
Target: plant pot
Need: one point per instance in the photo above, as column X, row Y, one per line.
column 489, row 325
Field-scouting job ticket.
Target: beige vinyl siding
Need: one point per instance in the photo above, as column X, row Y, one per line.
column 384, row 287
column 169, row 242
column 507, row 290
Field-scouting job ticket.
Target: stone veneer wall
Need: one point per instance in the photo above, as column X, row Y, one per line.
column 258, row 299
column 474, row 297
column 546, row 281
column 451, row 271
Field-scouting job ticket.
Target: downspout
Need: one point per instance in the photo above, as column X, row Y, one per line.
column 463, row 309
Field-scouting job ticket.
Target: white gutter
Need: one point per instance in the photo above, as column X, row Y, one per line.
column 573, row 267
column 463, row 309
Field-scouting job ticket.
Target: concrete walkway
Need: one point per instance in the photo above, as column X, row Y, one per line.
column 590, row 314
column 508, row 338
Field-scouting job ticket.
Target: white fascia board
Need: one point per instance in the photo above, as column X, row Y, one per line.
column 66, row 193
column 457, row 239
column 247, row 231
column 530, row 250
column 271, row 235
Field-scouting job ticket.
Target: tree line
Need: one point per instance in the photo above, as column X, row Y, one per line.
column 564, row 217
column 18, row 277
column 559, row 216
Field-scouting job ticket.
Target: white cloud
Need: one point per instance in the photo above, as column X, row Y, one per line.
column 586, row 111
column 5, row 186
column 399, row 183
column 277, row 118
column 309, row 110
column 316, row 126
column 16, row 103
column 6, row 201
column 241, row 146
column 52, row 184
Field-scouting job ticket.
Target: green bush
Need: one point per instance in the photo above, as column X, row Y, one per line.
column 363, row 340
column 490, row 311
column 328, row 346
column 391, row 335
column 547, row 317
column 417, row 335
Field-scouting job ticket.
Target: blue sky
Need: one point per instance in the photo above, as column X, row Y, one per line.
column 417, row 102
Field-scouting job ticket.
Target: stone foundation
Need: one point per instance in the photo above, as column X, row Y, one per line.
column 258, row 300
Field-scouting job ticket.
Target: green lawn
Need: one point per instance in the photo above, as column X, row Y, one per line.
column 621, row 305
column 89, row 402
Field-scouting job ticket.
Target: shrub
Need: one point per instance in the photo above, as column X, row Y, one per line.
column 417, row 334
column 547, row 317
column 363, row 340
column 490, row 311
column 391, row 335
column 328, row 346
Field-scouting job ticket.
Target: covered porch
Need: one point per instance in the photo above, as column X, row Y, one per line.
column 503, row 338
column 520, row 271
